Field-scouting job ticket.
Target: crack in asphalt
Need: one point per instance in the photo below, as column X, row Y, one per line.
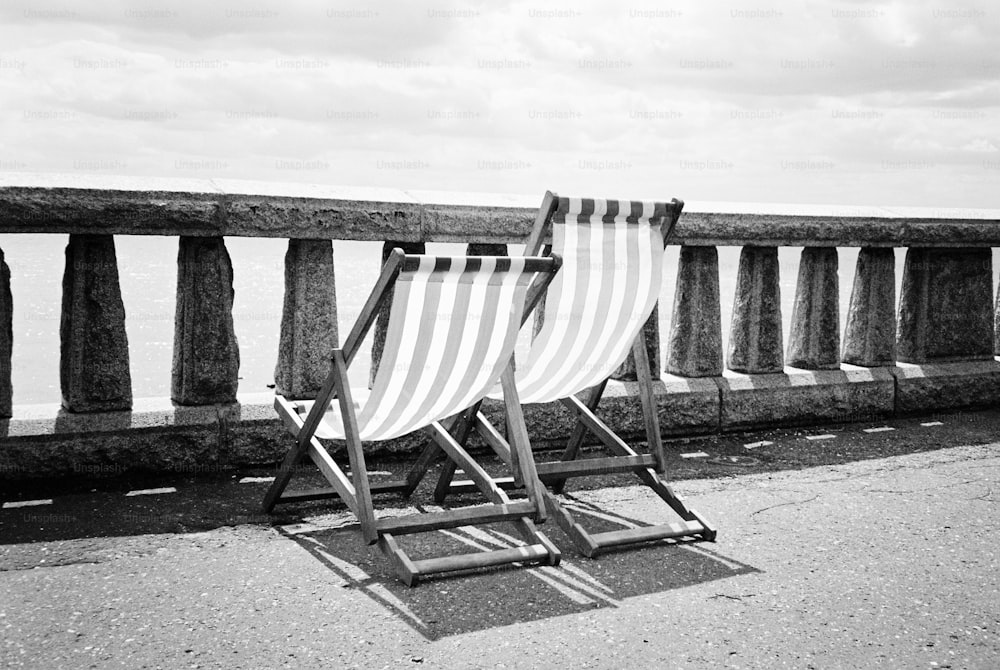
column 737, row 598
column 785, row 504
column 986, row 497
column 925, row 490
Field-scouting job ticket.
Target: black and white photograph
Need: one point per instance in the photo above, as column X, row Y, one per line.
column 513, row 334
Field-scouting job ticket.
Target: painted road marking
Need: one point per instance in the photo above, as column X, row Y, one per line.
column 762, row 443
column 26, row 503
column 256, row 480
column 880, row 429
column 312, row 526
column 931, row 423
column 827, row 436
column 151, row 492
column 695, row 454
column 305, row 527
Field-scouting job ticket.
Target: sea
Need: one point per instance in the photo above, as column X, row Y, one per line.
column 148, row 274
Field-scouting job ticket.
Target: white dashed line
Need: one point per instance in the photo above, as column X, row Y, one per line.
column 151, row 492
column 256, row 480
column 754, row 445
column 26, row 503
column 695, row 454
column 827, row 436
column 880, row 429
column 297, row 528
column 931, row 423
column 314, row 526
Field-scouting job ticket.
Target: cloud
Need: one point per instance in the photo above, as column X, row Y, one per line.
column 718, row 101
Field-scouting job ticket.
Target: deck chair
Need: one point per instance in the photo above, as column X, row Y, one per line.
column 593, row 316
column 452, row 329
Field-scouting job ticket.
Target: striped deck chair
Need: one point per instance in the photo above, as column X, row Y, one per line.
column 593, row 316
column 452, row 329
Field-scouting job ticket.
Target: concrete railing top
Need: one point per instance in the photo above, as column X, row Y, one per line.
column 52, row 203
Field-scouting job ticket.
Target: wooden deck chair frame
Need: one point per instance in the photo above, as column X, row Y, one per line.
column 647, row 467
column 355, row 489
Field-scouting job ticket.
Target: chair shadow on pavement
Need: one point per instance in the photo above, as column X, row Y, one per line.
column 471, row 601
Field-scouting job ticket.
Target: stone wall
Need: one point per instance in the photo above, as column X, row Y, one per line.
column 935, row 350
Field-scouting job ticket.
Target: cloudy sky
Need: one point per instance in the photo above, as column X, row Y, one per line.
column 882, row 103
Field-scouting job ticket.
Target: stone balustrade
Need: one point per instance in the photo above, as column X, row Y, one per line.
column 935, row 350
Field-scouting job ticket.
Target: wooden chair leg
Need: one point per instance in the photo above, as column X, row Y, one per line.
column 342, row 486
column 443, row 486
column 649, row 414
column 530, row 533
column 522, row 460
column 579, row 432
column 405, row 569
column 431, row 453
column 580, row 537
column 459, row 455
column 306, row 444
column 464, row 428
column 355, row 452
column 427, row 458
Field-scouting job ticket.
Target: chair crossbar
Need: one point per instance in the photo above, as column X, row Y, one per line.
column 594, row 466
column 493, row 439
column 537, row 549
column 419, row 523
column 526, row 553
column 615, row 538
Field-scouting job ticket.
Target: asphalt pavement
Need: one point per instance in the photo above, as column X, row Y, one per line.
column 888, row 561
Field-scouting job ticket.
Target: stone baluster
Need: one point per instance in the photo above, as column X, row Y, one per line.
column 475, row 249
column 946, row 305
column 870, row 335
column 755, row 338
column 814, row 340
column 626, row 371
column 695, row 348
column 382, row 323
column 308, row 319
column 94, row 359
column 206, row 355
column 6, row 339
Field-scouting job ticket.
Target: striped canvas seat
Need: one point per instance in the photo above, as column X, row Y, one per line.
column 452, row 328
column 612, row 271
